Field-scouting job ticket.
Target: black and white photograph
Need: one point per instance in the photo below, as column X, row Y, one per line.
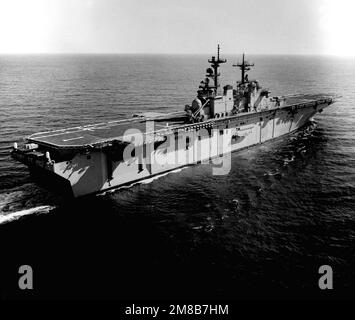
column 177, row 156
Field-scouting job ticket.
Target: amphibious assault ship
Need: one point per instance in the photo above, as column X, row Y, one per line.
column 93, row 158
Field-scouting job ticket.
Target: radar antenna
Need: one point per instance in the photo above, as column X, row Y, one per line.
column 244, row 66
column 215, row 65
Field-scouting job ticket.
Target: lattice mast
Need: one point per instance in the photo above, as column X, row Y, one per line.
column 244, row 66
column 215, row 63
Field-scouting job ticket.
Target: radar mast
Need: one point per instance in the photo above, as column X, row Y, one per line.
column 215, row 65
column 244, row 66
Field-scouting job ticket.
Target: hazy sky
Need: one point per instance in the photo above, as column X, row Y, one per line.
column 177, row 26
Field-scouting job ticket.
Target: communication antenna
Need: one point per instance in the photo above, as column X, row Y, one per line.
column 215, row 65
column 244, row 66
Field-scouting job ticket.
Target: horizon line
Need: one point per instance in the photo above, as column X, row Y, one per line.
column 173, row 53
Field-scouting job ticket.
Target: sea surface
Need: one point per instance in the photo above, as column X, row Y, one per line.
column 262, row 231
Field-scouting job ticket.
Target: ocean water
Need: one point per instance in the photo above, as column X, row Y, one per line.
column 262, row 231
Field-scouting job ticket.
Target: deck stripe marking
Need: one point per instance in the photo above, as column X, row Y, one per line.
column 65, row 140
column 57, row 134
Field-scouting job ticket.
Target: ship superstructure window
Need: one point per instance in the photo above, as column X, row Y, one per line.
column 187, row 143
column 221, row 132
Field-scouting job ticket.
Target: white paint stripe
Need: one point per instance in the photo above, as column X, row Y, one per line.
column 66, row 131
column 65, row 140
column 119, row 122
column 57, row 134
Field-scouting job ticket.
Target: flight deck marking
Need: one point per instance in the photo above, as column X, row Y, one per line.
column 57, row 134
column 65, row 140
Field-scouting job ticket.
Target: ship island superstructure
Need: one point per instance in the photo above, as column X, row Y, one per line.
column 93, row 158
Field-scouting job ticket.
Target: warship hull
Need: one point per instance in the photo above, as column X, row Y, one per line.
column 92, row 159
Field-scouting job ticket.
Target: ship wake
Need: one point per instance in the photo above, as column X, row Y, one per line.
column 23, row 201
column 8, row 217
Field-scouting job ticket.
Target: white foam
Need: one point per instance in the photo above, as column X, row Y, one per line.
column 149, row 180
column 18, row 214
column 272, row 173
column 287, row 161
